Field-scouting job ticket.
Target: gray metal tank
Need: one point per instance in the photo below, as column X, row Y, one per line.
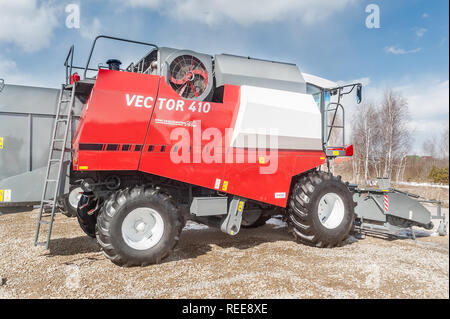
column 26, row 121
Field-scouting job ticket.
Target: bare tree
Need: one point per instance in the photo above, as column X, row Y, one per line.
column 429, row 147
column 395, row 135
column 445, row 141
column 365, row 130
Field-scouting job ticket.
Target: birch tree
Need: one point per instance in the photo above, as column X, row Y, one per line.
column 445, row 141
column 395, row 135
column 364, row 135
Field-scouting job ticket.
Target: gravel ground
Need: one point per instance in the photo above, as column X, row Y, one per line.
column 257, row 263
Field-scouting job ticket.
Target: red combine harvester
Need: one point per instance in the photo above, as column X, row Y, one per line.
column 223, row 140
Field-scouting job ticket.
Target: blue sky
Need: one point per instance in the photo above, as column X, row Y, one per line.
column 328, row 38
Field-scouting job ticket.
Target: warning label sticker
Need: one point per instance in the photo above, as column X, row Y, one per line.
column 280, row 195
column 5, row 195
column 217, row 184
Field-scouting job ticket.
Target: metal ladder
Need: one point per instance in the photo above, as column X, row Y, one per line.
column 57, row 164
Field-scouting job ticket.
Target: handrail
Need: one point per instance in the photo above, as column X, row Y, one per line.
column 111, row 38
column 329, row 128
column 69, row 69
column 338, row 105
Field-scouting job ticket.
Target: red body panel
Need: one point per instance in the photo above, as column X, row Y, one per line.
column 111, row 117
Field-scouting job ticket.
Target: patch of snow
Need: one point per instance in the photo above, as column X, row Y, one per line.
column 190, row 225
column 278, row 223
column 424, row 184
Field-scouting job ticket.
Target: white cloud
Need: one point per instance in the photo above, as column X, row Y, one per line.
column 396, row 50
column 6, row 65
column 27, row 24
column 421, row 32
column 90, row 31
column 152, row 4
column 428, row 100
column 425, row 15
column 365, row 81
column 215, row 12
column 428, row 104
column 10, row 72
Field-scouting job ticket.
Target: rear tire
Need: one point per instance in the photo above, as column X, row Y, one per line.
column 70, row 201
column 87, row 222
column 138, row 226
column 253, row 221
column 320, row 210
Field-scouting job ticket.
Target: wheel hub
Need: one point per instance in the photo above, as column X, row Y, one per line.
column 331, row 210
column 142, row 228
column 74, row 197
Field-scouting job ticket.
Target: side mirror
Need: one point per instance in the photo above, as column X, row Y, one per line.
column 359, row 94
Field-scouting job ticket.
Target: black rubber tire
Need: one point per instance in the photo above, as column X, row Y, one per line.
column 261, row 221
column 302, row 212
column 69, row 210
column 118, row 206
column 87, row 222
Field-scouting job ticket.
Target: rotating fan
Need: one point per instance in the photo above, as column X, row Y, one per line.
column 188, row 76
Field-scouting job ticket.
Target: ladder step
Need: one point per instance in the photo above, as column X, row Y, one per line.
column 47, row 205
column 65, row 150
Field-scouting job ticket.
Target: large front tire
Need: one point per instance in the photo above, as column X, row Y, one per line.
column 138, row 226
column 320, row 210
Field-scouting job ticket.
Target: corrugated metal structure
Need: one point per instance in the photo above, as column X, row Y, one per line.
column 26, row 121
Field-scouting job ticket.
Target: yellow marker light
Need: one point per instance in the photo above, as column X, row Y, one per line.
column 84, row 167
column 1, row 195
column 1, row 143
column 322, row 158
column 262, row 160
column 240, row 206
column 225, row 186
column 336, row 153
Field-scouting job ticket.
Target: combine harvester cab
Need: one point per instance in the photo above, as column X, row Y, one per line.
column 223, row 140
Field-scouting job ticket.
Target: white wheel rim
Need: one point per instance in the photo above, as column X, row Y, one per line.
column 142, row 228
column 75, row 196
column 331, row 210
